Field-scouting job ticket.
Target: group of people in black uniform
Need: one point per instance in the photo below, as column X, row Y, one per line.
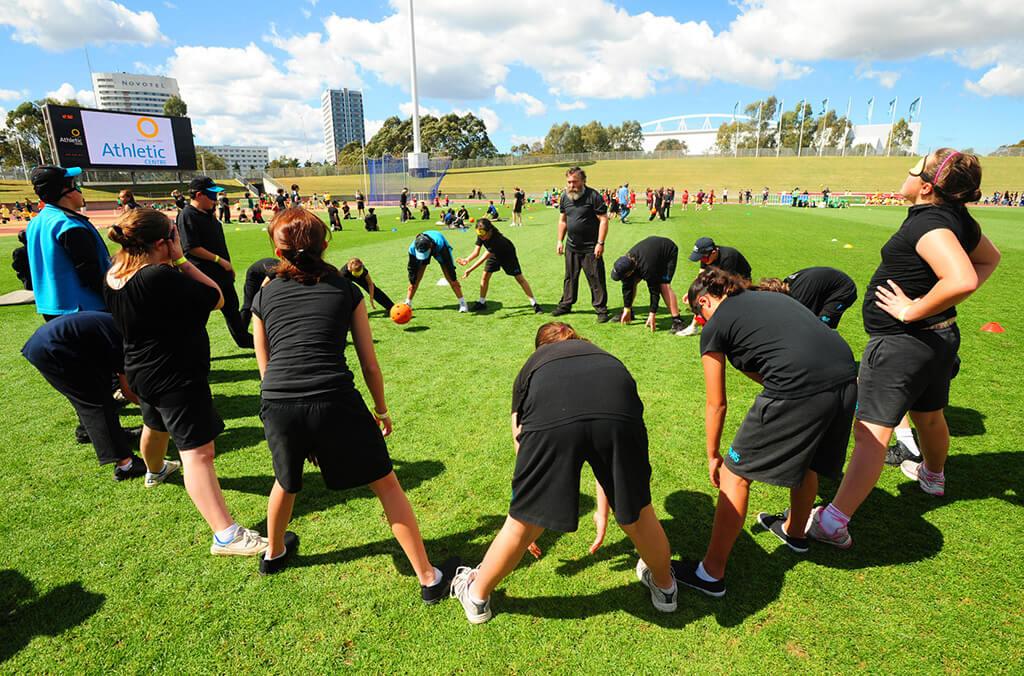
column 572, row 402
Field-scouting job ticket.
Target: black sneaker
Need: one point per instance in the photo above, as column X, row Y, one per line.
column 81, row 436
column 897, row 453
column 602, row 318
column 685, row 572
column 291, row 548
column 774, row 523
column 435, row 593
column 677, row 325
column 478, row 306
column 133, row 471
column 559, row 311
column 537, row 309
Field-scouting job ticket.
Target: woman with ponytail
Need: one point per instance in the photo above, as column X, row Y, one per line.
column 310, row 407
column 798, row 426
column 936, row 259
column 161, row 302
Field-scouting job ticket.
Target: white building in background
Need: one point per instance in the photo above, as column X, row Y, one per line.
column 876, row 135
column 342, row 111
column 131, row 93
column 251, row 160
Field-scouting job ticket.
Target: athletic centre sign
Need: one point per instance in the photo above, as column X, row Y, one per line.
column 102, row 139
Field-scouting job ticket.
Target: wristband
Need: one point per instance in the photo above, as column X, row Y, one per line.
column 601, row 243
column 382, row 416
column 902, row 316
column 178, row 262
column 216, row 259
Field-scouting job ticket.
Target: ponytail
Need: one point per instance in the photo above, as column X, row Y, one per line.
column 957, row 183
column 715, row 282
column 301, row 238
column 137, row 232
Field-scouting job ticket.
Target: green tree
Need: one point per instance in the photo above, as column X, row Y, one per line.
column 901, row 136
column 204, row 158
column 351, row 155
column 175, row 107
column 283, row 162
column 595, row 137
column 671, row 144
column 627, row 137
column 26, row 122
column 458, row 137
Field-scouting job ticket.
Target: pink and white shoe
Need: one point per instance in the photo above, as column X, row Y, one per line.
column 932, row 484
column 841, row 538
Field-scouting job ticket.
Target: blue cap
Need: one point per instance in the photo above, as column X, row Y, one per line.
column 71, row 172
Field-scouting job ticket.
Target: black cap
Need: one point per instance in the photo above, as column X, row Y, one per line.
column 203, row 184
column 51, row 182
column 701, row 248
column 623, row 267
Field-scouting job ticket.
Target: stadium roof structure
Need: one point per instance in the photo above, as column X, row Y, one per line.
column 699, row 130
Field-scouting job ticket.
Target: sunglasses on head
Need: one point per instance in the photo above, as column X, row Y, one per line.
column 918, row 171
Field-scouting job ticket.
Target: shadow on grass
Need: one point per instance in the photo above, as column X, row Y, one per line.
column 419, row 328
column 231, row 406
column 235, row 438
column 316, row 497
column 24, row 614
column 965, row 422
column 235, row 355
column 234, row 376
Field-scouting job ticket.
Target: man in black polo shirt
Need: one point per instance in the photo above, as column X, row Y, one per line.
column 723, row 257
column 585, row 220
column 202, row 240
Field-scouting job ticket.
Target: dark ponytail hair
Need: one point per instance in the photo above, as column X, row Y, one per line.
column 715, row 282
column 957, row 183
column 771, row 284
column 301, row 237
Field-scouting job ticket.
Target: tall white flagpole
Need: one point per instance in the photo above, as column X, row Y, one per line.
column 757, row 144
column 778, row 128
column 846, row 135
column 416, row 156
column 892, row 124
column 800, row 141
column 821, row 132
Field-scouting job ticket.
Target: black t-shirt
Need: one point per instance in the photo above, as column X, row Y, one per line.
column 403, row 198
column 902, row 264
column 500, row 247
column 281, row 201
column 162, row 315
column 347, row 274
column 198, row 228
column 81, row 349
column 180, row 202
column 573, row 380
column 519, row 197
column 815, row 288
column 730, row 260
column 774, row 335
column 371, row 221
column 655, row 259
column 359, row 200
column 581, row 217
column 332, row 213
column 307, row 329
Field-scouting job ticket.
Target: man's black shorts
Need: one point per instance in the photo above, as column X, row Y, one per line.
column 780, row 439
column 546, row 483
column 511, row 267
column 340, row 432
column 188, row 415
column 906, row 372
column 444, row 259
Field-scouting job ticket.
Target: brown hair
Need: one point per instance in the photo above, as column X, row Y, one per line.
column 772, row 284
column 485, row 225
column 577, row 170
column 957, row 182
column 138, row 232
column 715, row 282
column 555, row 332
column 302, row 237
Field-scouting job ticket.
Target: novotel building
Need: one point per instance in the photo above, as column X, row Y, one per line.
column 131, row 93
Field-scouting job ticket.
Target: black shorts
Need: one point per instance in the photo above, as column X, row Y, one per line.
column 340, row 432
column 188, row 415
column 511, row 267
column 833, row 309
column 444, row 259
column 780, row 439
column 546, row 483
column 906, row 372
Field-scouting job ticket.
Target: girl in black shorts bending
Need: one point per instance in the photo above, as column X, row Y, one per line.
column 310, row 407
column 500, row 255
column 160, row 302
column 936, row 259
column 798, row 426
column 573, row 403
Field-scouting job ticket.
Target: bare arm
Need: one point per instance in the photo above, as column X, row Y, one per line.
column 602, row 233
column 362, row 338
column 470, row 258
column 516, row 431
column 259, row 340
column 563, row 228
column 985, row 259
column 477, row 264
column 714, row 410
column 126, row 389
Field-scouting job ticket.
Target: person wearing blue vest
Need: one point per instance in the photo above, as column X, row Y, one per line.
column 67, row 256
column 432, row 244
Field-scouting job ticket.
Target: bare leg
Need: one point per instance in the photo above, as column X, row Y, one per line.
column 934, row 435
column 456, row 287
column 729, row 516
column 869, row 444
column 651, row 543
column 204, row 489
column 485, row 282
column 153, row 447
column 403, row 525
column 670, row 299
column 503, row 555
column 525, row 285
column 801, row 501
column 411, row 291
column 279, row 513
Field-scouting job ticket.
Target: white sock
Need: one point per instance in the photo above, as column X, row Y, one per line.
column 533, row 301
column 438, row 576
column 127, row 466
column 225, row 536
column 906, row 435
column 482, row 300
column 268, row 557
column 668, row 590
column 703, row 574
column 462, row 301
column 160, row 471
column 408, row 301
column 473, row 598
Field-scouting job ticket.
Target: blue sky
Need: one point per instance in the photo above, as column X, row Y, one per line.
column 255, row 77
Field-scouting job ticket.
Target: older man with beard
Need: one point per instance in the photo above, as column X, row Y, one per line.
column 585, row 220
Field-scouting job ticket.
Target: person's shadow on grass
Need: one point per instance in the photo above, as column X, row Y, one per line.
column 24, row 614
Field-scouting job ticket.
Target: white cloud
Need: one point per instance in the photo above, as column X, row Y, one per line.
column 13, row 94
column 371, row 127
column 573, row 105
column 305, row 12
column 59, row 25
column 886, row 78
column 67, row 91
column 532, row 106
column 490, row 118
column 517, row 139
column 1002, row 80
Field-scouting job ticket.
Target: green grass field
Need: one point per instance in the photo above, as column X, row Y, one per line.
column 97, row 576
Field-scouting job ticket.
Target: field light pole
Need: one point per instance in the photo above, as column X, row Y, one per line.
column 803, row 118
column 778, row 128
column 417, row 158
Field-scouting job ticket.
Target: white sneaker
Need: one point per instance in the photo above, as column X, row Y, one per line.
column 663, row 601
column 690, row 330
column 463, row 308
column 476, row 613
column 155, row 479
column 936, row 485
column 246, row 543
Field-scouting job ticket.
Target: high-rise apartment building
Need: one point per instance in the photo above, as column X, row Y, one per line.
column 131, row 93
column 342, row 111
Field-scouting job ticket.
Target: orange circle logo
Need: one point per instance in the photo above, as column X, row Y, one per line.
column 75, row 132
column 150, row 123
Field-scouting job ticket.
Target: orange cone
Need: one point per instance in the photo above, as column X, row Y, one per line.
column 993, row 327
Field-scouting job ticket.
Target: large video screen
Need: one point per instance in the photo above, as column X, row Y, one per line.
column 103, row 139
